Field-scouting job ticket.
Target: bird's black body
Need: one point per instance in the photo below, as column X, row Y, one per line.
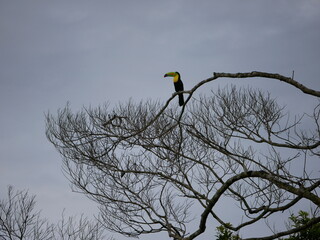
column 178, row 85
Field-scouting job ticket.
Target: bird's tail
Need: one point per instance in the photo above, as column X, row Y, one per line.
column 181, row 99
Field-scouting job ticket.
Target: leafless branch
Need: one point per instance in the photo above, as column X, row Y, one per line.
column 149, row 165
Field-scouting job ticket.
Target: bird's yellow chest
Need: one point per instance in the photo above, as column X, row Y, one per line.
column 176, row 78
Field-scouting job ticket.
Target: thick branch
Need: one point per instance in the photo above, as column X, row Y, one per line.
column 260, row 174
column 291, row 231
column 269, row 75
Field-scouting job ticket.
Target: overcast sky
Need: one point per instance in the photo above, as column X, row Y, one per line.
column 92, row 52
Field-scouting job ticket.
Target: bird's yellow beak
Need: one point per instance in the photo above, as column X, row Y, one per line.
column 170, row 74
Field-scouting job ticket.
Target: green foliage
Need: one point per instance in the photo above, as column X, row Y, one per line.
column 226, row 234
column 311, row 233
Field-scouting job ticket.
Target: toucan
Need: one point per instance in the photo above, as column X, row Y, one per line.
column 178, row 85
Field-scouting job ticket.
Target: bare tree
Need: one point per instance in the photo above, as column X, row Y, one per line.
column 20, row 221
column 149, row 165
column 78, row 229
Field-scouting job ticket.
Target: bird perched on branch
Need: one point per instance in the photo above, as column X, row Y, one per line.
column 178, row 85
